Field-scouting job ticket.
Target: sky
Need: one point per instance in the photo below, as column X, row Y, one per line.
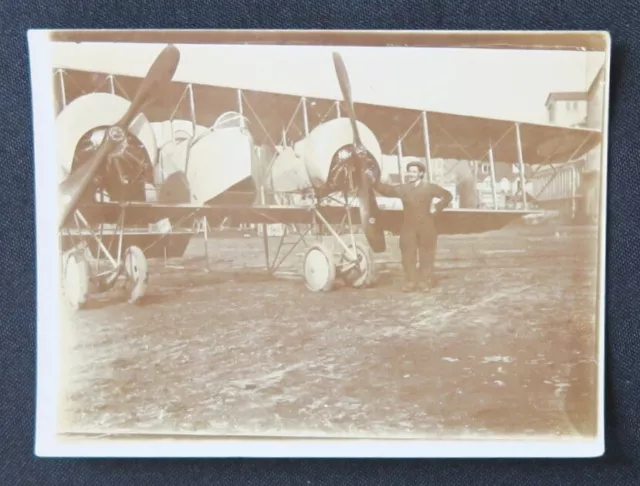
column 507, row 84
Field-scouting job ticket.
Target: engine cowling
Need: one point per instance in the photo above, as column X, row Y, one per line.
column 322, row 148
column 89, row 112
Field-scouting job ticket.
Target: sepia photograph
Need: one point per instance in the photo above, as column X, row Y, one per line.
column 320, row 243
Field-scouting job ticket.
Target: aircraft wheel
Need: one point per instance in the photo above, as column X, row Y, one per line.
column 76, row 279
column 319, row 269
column 363, row 274
column 137, row 273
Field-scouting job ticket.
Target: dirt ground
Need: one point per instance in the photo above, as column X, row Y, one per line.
column 504, row 345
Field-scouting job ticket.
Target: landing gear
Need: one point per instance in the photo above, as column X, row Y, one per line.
column 137, row 273
column 358, row 272
column 83, row 274
column 76, row 279
column 355, row 266
column 319, row 269
column 348, row 258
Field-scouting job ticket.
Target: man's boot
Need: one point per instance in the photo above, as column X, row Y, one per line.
column 409, row 286
column 427, row 284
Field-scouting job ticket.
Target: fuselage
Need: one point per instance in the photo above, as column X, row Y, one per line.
column 219, row 163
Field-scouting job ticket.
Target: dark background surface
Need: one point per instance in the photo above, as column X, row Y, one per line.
column 18, row 465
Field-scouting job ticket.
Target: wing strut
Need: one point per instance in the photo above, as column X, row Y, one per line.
column 521, row 166
column 427, row 145
column 492, row 167
column 400, row 166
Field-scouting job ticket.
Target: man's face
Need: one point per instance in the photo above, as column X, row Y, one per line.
column 413, row 174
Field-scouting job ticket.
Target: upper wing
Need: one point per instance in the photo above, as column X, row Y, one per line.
column 463, row 137
column 466, row 137
column 274, row 103
column 269, row 106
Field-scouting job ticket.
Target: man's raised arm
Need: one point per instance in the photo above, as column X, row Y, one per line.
column 386, row 190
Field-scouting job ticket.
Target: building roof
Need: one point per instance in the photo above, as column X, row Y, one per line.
column 566, row 96
column 577, row 95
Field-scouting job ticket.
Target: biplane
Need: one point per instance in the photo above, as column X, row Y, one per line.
column 138, row 173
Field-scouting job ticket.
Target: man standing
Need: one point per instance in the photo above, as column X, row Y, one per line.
column 418, row 236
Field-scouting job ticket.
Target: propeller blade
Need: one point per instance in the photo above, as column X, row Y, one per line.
column 161, row 71
column 73, row 186
column 369, row 212
column 345, row 87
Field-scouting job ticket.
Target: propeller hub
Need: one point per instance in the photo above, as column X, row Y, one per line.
column 344, row 154
column 361, row 151
column 117, row 134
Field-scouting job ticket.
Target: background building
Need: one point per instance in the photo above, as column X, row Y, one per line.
column 573, row 187
column 567, row 109
column 592, row 169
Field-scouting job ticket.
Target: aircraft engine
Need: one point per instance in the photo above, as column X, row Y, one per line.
column 329, row 147
column 80, row 129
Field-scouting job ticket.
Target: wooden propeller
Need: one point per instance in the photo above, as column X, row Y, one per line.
column 369, row 209
column 161, row 71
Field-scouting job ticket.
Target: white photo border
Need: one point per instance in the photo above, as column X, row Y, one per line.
column 50, row 444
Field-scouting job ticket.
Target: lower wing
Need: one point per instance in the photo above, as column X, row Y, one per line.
column 449, row 221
